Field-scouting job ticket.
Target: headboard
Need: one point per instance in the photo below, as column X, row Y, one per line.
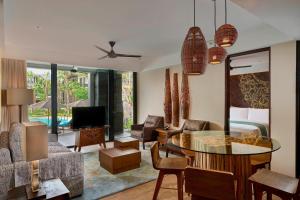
column 250, row 90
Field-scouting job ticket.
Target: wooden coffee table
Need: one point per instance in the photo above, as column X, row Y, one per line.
column 54, row 189
column 127, row 142
column 117, row 160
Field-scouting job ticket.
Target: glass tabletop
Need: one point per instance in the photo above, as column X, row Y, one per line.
column 226, row 143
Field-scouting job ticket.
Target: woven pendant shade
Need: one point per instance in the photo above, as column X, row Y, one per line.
column 226, row 35
column 216, row 55
column 194, row 52
column 168, row 98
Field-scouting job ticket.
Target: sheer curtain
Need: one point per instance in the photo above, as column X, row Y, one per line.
column 13, row 76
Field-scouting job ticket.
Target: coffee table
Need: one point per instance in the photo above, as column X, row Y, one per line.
column 127, row 142
column 54, row 189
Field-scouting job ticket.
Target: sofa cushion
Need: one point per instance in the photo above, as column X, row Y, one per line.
column 195, row 125
column 152, row 121
column 4, row 156
column 4, row 140
column 15, row 142
column 136, row 133
column 55, row 147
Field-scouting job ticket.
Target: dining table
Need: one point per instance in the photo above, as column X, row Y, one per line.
column 229, row 151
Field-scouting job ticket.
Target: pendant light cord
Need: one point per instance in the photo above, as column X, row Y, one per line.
column 194, row 13
column 225, row 11
column 215, row 18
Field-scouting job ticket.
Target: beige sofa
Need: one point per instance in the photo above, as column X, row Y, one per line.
column 61, row 163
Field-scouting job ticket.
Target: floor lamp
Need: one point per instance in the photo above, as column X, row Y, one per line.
column 17, row 97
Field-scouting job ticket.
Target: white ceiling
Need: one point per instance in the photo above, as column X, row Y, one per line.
column 64, row 31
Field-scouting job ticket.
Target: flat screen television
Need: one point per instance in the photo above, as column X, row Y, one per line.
column 88, row 117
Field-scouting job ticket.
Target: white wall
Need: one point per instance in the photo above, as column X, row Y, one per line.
column 1, row 42
column 283, row 105
column 207, row 93
column 208, row 99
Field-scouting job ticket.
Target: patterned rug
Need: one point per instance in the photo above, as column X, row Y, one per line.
column 99, row 183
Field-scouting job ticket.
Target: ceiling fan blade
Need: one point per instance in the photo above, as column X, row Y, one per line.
column 238, row 67
column 101, row 49
column 102, row 57
column 128, row 55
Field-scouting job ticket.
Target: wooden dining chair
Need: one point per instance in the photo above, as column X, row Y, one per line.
column 260, row 161
column 283, row 186
column 209, row 184
column 165, row 166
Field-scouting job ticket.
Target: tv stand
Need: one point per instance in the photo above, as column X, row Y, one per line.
column 90, row 136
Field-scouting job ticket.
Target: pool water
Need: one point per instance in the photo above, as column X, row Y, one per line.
column 44, row 120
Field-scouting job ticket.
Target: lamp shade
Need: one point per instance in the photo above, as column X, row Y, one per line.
column 216, row 55
column 226, row 35
column 17, row 96
column 34, row 141
column 194, row 52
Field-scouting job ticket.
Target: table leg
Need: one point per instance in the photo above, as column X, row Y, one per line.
column 239, row 165
column 243, row 172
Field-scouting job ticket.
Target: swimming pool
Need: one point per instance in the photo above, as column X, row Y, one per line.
column 44, row 120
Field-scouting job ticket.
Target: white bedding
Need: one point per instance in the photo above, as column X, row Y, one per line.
column 247, row 128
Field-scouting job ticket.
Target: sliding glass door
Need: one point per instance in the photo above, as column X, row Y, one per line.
column 39, row 79
column 59, row 88
column 72, row 91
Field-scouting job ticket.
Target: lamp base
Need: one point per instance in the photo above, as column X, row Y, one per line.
column 34, row 191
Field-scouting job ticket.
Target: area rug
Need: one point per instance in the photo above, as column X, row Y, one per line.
column 99, row 183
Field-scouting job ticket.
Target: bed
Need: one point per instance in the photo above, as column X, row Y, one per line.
column 250, row 120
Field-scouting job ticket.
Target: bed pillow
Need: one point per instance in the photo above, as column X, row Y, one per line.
column 237, row 113
column 258, row 115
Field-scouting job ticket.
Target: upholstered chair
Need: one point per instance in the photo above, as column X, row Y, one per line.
column 188, row 125
column 146, row 132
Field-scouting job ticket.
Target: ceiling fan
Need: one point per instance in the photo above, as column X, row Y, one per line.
column 113, row 54
column 238, row 67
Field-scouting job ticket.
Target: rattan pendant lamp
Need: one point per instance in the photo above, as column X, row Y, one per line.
column 226, row 34
column 194, row 51
column 216, row 55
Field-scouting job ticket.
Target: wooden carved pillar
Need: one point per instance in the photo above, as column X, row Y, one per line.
column 175, row 101
column 185, row 97
column 168, row 98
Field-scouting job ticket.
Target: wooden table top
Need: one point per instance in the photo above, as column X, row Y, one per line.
column 126, row 139
column 225, row 143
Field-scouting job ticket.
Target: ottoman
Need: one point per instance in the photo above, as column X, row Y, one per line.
column 117, row 160
column 127, row 142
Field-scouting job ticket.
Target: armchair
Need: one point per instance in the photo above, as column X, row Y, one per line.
column 191, row 125
column 146, row 132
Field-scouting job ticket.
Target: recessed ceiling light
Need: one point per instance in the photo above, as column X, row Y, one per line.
column 38, row 27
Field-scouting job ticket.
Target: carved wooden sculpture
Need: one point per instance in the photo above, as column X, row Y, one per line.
column 168, row 98
column 175, row 101
column 185, row 97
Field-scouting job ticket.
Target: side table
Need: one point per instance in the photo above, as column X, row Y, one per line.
column 54, row 189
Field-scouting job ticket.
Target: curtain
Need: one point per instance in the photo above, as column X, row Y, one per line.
column 13, row 76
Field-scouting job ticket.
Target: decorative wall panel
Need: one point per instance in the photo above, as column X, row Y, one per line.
column 168, row 98
column 250, row 90
column 175, row 101
column 185, row 97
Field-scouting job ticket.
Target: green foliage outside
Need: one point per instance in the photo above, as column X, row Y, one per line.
column 71, row 88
